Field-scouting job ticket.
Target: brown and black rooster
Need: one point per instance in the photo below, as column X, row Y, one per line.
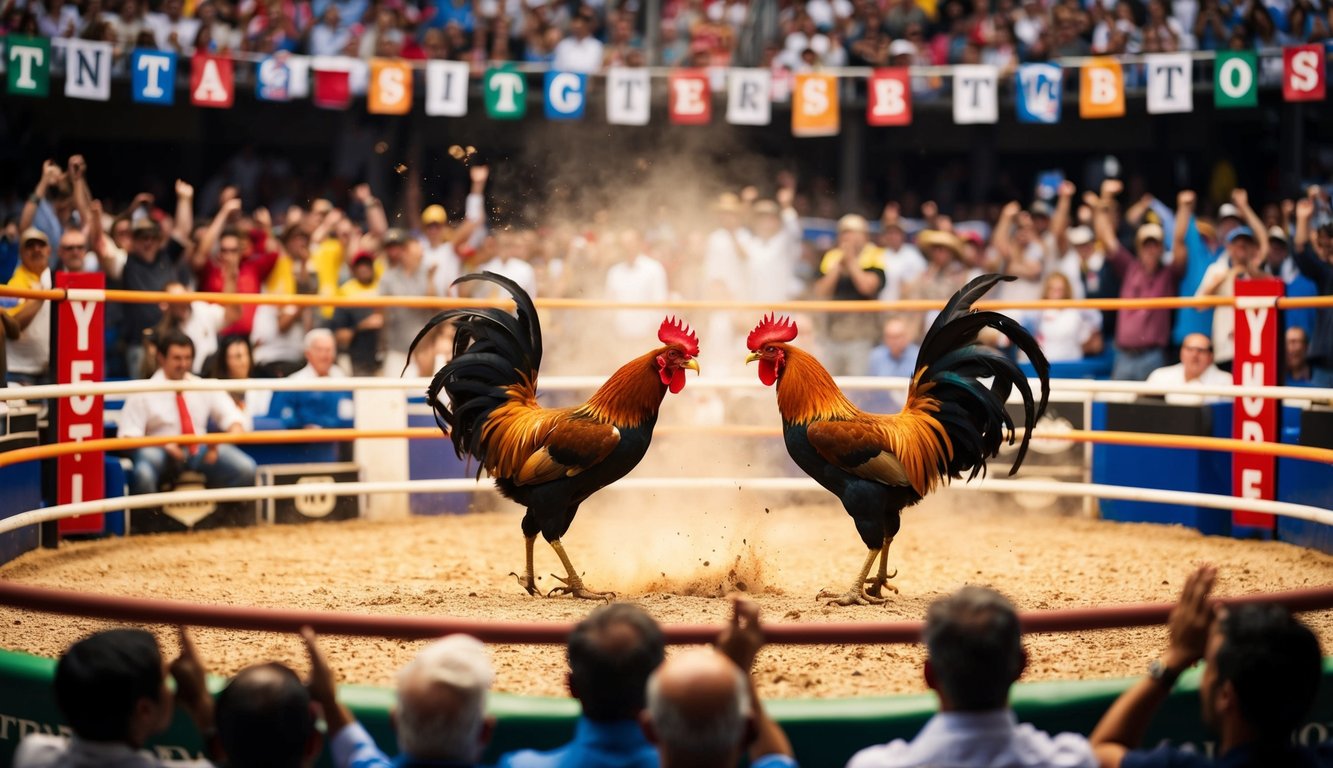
column 547, row 459
column 879, row 464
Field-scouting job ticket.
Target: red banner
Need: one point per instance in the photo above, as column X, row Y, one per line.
column 79, row 355
column 1255, row 418
column 889, row 99
column 212, row 82
column 690, row 100
column 1303, row 73
column 333, row 88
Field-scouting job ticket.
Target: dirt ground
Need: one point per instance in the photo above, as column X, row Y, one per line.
column 677, row 556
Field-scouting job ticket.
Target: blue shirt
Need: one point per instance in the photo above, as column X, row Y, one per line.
column 352, row 747
column 883, row 363
column 619, row 744
column 1244, row 756
column 298, row 410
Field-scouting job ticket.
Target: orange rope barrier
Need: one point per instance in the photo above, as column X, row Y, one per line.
column 271, row 437
column 432, row 302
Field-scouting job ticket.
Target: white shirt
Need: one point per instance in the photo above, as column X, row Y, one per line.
column 770, row 265
column 724, row 266
column 1063, row 332
column 517, row 270
column 1173, row 376
column 1224, row 318
column 979, row 740
column 901, row 267
column 575, row 55
column 154, row 414
column 444, row 260
column 1024, row 288
column 271, row 344
column 206, row 319
column 30, row 353
column 643, row 279
column 40, row 750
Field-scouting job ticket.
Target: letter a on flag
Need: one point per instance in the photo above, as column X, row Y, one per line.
column 211, row 82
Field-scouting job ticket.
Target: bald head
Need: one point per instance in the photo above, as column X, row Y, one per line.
column 1196, row 354
column 264, row 718
column 698, row 708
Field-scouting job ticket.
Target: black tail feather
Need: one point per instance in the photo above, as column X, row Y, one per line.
column 972, row 414
column 493, row 351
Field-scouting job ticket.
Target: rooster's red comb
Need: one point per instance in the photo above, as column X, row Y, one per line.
column 677, row 331
column 771, row 328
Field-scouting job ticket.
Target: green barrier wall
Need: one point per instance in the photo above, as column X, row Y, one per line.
column 824, row 732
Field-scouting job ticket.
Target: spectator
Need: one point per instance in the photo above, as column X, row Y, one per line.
column 1019, row 252
column 1244, row 259
column 611, row 654
column 637, row 277
column 1065, row 335
column 1282, row 265
column 946, row 270
column 1141, row 334
column 974, row 654
column 1311, row 252
column 440, row 712
column 244, row 260
column 200, row 320
column 153, row 414
column 703, row 705
column 580, row 51
column 1195, row 369
column 1261, row 672
column 723, row 279
column 772, row 249
column 853, row 271
column 150, row 265
column 266, row 719
column 903, row 262
column 357, row 329
column 9, row 331
column 513, row 260
column 278, row 333
column 30, row 353
column 406, row 277
column 1296, row 371
column 235, row 360
column 895, row 357
column 111, row 688
column 51, row 206
column 441, row 243
column 310, row 410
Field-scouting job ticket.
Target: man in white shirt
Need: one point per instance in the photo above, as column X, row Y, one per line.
column 441, row 243
column 772, row 250
column 511, row 261
column 154, row 414
column 635, row 277
column 903, row 262
column 1195, row 369
column 974, row 654
column 580, row 51
column 30, row 354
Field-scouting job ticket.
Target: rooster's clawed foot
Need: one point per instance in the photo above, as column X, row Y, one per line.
column 853, row 597
column 573, row 586
column 528, row 583
column 880, row 583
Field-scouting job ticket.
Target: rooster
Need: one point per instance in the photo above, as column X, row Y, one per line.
column 547, row 459
column 880, row 464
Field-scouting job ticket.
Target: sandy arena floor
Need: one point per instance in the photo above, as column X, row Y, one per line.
column 676, row 557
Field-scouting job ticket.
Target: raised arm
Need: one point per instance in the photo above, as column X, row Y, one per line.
column 83, row 198
column 204, row 249
column 1241, row 199
column 1185, row 200
column 1002, row 239
column 376, row 222
column 741, row 641
column 184, row 212
column 1060, row 216
column 1105, row 229
column 1307, row 261
column 50, row 176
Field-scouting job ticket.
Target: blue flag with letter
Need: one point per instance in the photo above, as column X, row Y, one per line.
column 566, row 94
column 153, row 77
column 1038, row 91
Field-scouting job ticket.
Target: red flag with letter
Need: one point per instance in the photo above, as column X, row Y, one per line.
column 691, row 101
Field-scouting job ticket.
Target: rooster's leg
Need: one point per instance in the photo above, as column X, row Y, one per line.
column 881, row 581
column 573, row 585
column 857, row 594
column 526, row 580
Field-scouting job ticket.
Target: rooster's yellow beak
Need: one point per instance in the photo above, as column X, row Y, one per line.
column 692, row 364
column 752, row 357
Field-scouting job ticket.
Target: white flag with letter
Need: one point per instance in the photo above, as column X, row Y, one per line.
column 88, row 70
column 975, row 94
column 628, row 96
column 1170, row 83
column 749, row 97
column 446, row 88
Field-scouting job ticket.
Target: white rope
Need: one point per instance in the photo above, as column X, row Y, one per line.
column 417, row 385
column 254, row 493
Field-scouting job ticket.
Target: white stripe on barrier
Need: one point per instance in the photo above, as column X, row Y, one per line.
column 254, row 493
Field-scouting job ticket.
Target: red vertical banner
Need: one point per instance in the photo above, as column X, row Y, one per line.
column 1255, row 418
column 79, row 357
column 1303, row 73
column 690, row 101
column 889, row 100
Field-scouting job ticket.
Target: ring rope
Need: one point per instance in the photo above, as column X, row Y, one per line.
column 444, row 302
column 281, row 436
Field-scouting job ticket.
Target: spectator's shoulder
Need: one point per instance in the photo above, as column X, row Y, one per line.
column 891, row 755
column 530, row 758
column 1164, row 756
column 1060, row 750
column 39, row 750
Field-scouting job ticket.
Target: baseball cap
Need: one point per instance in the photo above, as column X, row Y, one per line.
column 901, row 48
column 395, row 236
column 144, row 224
column 1277, row 233
column 1040, row 208
column 363, row 256
column 33, row 233
column 1149, row 231
column 1080, row 235
column 766, row 208
column 1241, row 231
column 1228, row 211
column 434, row 214
column 853, row 223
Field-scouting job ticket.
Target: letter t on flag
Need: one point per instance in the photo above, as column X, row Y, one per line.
column 975, row 94
column 628, row 96
column 28, row 61
column 1170, row 84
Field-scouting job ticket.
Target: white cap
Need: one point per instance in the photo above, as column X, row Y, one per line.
column 1228, row 211
column 901, row 48
column 1080, row 235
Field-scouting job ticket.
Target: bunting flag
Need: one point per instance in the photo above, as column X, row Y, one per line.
column 814, row 106
column 446, row 88
column 628, row 96
column 976, row 94
column 1038, row 90
column 1102, row 89
column 506, row 93
column 153, row 77
column 28, row 62
column 390, row 90
column 88, row 70
column 212, row 81
column 1303, row 73
column 282, row 77
column 331, row 82
column 1170, row 85
column 889, row 97
column 749, row 96
column 689, row 99
column 566, row 93
column 1236, row 79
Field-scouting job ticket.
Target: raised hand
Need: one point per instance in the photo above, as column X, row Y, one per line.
column 1185, row 199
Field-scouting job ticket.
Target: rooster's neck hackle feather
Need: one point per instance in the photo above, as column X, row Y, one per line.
column 806, row 391
column 631, row 396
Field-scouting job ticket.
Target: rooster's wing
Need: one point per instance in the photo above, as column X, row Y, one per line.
column 571, row 445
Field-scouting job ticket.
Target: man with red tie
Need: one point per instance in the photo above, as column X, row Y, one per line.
column 154, row 414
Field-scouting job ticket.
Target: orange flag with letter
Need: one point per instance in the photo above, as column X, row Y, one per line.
column 1102, row 89
column 390, row 91
column 814, row 106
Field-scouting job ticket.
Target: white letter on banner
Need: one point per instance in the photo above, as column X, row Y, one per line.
column 1236, row 78
column 27, row 57
column 508, row 84
column 88, row 70
column 155, row 66
column 564, row 94
column 1305, row 70
column 1252, row 375
column 210, row 84
column 391, row 85
column 446, row 88
column 1103, row 90
column 974, row 95
column 1169, row 87
column 748, row 101
column 689, row 96
column 628, row 96
column 889, row 99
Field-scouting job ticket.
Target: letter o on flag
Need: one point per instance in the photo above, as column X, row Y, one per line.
column 1236, row 78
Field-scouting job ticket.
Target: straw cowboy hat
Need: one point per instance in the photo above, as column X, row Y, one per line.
column 932, row 237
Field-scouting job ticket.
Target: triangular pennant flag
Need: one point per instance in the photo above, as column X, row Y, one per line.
column 889, row 99
column 153, row 77
column 446, row 88
column 1037, row 93
column 1102, row 89
column 976, row 94
column 628, row 96
column 28, row 62
column 331, row 83
column 390, row 87
column 88, row 70
column 1236, row 79
column 749, row 97
column 814, row 106
column 1303, row 73
column 212, row 81
column 690, row 102
column 506, row 93
column 1170, row 83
